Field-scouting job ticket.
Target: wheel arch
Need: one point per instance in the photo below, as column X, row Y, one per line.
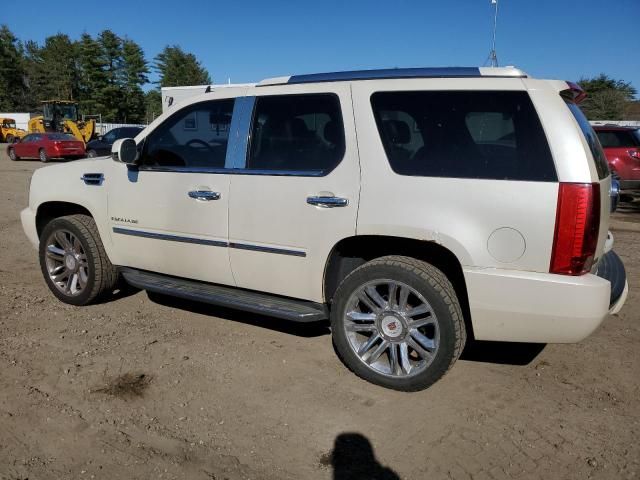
column 351, row 252
column 48, row 211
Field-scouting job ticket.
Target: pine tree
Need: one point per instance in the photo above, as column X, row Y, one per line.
column 12, row 77
column 177, row 68
column 111, row 95
column 93, row 78
column 135, row 72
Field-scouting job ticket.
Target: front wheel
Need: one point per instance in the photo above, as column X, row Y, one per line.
column 9, row 139
column 42, row 154
column 73, row 260
column 396, row 322
column 92, row 154
column 12, row 154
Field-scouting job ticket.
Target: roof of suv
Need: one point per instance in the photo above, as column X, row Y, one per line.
column 431, row 72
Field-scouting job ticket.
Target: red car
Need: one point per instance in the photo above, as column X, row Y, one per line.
column 46, row 146
column 621, row 146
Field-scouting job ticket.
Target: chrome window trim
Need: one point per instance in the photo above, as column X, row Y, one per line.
column 211, row 243
column 233, row 171
column 239, row 131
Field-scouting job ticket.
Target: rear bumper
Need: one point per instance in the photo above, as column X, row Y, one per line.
column 516, row 306
column 629, row 185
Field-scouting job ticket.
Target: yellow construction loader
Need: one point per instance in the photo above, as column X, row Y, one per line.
column 62, row 116
column 9, row 133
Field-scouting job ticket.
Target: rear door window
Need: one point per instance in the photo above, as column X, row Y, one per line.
column 592, row 140
column 477, row 134
column 297, row 134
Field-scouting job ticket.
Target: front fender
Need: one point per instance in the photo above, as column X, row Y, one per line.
column 64, row 184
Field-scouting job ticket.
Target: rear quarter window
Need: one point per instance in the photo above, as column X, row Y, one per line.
column 463, row 134
column 590, row 136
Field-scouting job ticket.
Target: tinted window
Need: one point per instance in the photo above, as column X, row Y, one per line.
column 194, row 137
column 492, row 135
column 60, row 136
column 592, row 140
column 617, row 138
column 128, row 132
column 111, row 136
column 297, row 133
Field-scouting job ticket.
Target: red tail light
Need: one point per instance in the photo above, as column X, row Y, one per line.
column 577, row 227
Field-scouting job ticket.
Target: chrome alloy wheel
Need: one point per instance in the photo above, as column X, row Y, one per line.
column 66, row 262
column 392, row 328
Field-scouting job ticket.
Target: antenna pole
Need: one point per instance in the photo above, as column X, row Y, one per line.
column 493, row 56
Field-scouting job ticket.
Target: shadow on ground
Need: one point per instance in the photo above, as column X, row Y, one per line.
column 509, row 353
column 306, row 330
column 475, row 351
column 352, row 458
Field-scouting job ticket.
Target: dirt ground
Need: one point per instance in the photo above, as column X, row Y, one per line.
column 140, row 388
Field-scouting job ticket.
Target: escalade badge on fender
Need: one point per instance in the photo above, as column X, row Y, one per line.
column 124, row 220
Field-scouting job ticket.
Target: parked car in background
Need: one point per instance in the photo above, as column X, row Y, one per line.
column 102, row 145
column 622, row 148
column 46, row 146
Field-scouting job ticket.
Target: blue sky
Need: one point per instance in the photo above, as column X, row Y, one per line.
column 250, row 40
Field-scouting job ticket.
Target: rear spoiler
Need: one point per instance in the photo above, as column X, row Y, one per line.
column 574, row 92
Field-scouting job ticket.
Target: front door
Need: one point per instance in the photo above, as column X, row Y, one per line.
column 170, row 215
column 296, row 195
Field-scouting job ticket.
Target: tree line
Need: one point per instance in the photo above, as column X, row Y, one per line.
column 105, row 74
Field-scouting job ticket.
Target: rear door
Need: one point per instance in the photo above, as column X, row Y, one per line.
column 296, row 194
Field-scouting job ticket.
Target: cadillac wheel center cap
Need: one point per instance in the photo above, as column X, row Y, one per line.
column 70, row 262
column 391, row 326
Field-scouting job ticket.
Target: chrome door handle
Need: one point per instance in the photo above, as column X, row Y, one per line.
column 204, row 195
column 328, row 202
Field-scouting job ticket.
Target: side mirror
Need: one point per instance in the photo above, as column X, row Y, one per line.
column 125, row 150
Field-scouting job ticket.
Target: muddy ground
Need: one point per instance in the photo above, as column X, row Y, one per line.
column 148, row 387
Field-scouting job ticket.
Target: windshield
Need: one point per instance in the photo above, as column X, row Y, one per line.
column 67, row 111
column 9, row 124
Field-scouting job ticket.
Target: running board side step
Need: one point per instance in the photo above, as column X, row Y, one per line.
column 230, row 297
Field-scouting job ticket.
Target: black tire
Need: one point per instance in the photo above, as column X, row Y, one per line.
column 92, row 154
column 12, row 154
column 9, row 139
column 42, row 155
column 101, row 274
column 435, row 288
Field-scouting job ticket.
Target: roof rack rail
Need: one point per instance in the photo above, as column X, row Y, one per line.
column 391, row 73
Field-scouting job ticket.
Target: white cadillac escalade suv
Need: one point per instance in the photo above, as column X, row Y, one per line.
column 412, row 207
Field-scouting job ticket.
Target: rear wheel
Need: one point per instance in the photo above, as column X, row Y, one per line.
column 9, row 138
column 12, row 155
column 396, row 321
column 92, row 154
column 73, row 260
column 42, row 154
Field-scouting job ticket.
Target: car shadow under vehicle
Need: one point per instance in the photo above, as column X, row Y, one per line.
column 307, row 330
column 504, row 353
